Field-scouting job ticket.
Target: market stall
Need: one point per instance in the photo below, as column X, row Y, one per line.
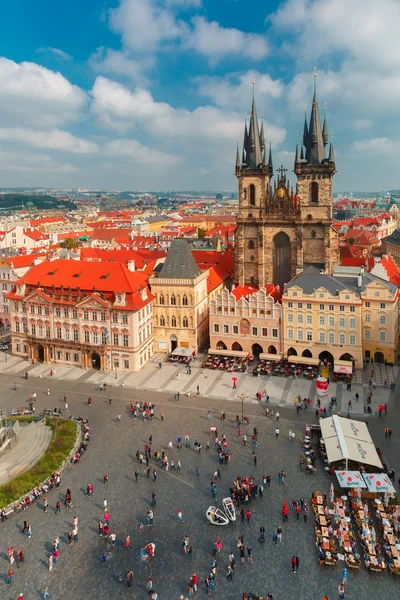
column 347, row 440
column 182, row 355
column 343, row 369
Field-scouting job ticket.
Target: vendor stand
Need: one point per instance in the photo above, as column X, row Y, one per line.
column 182, row 355
column 343, row 369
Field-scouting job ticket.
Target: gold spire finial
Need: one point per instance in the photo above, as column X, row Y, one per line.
column 315, row 79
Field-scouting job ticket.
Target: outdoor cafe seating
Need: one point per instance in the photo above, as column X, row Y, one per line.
column 232, row 361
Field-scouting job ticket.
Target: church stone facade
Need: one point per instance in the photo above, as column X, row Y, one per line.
column 280, row 230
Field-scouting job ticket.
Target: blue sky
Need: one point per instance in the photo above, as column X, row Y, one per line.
column 151, row 94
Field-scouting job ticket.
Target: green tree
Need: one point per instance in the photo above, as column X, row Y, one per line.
column 70, row 244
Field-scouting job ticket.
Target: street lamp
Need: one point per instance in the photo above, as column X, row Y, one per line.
column 115, row 365
column 242, row 397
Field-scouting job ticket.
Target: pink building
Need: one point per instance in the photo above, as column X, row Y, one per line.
column 247, row 319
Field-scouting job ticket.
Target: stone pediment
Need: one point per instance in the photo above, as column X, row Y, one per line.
column 38, row 296
column 93, row 301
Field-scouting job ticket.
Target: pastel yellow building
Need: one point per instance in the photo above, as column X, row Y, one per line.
column 351, row 315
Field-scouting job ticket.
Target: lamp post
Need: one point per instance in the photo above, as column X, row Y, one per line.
column 115, row 366
column 242, row 397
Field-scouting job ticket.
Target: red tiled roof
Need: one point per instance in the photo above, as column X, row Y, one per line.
column 242, row 291
column 107, row 278
column 111, row 234
column 216, row 276
column 211, row 258
column 35, row 235
column 44, row 220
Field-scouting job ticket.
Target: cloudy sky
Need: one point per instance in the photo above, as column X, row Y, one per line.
column 151, row 94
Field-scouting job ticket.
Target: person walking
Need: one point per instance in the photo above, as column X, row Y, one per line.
column 275, row 538
column 127, row 542
column 136, row 475
column 230, row 573
column 277, row 432
column 20, row 557
column 180, row 516
column 57, row 508
column 45, row 504
column 279, row 534
column 105, row 478
column 198, row 471
column 248, row 516
column 129, row 578
column 293, row 564
column 10, row 574
column 341, row 591
column 50, row 562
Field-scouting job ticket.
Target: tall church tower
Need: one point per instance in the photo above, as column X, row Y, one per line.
column 314, row 175
column 278, row 229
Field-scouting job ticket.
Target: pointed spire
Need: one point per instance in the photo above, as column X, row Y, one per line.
column 301, row 154
column 252, row 144
column 264, row 157
column 315, row 149
column 237, row 156
column 296, row 158
column 271, row 166
column 331, row 153
column 325, row 129
column 262, row 136
column 305, row 131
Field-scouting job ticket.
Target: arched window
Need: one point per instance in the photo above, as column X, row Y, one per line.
column 161, row 299
column 309, row 217
column 173, row 300
column 162, row 321
column 184, row 300
column 251, row 245
column 173, row 322
column 314, row 192
column 252, row 199
column 313, row 233
column 185, row 322
column 249, row 216
column 252, row 257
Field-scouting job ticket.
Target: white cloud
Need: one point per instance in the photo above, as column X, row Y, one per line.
column 54, row 139
column 184, row 3
column 134, row 150
column 32, row 163
column 120, row 63
column 365, row 30
column 379, row 145
column 119, row 108
column 216, row 42
column 144, row 24
column 235, row 89
column 36, row 95
column 57, row 53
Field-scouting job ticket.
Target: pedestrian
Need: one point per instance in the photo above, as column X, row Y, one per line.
column 149, row 585
column 153, row 498
column 29, row 532
column 198, row 393
column 46, row 593
column 261, row 490
column 162, row 416
column 275, row 538
column 277, row 415
column 345, row 576
column 249, row 553
column 45, row 503
column 180, row 516
column 20, row 556
column 69, row 536
column 104, row 558
column 385, row 408
column 297, row 564
column 105, row 478
column 230, row 573
column 127, row 542
column 293, row 564
column 341, row 591
column 248, row 516
column 242, row 515
column 25, row 527
column 136, row 475
column 10, row 574
column 279, row 534
column 57, row 507
column 129, row 578
column 105, row 504
column 50, row 562
column 195, row 578
column 290, row 435
column 198, row 471
column 277, row 432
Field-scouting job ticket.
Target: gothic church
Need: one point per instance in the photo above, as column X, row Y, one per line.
column 280, row 230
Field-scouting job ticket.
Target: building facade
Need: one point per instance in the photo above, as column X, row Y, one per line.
column 246, row 319
column 349, row 316
column 180, row 301
column 279, row 230
column 83, row 314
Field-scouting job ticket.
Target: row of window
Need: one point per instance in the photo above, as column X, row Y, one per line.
column 185, row 321
column 173, row 300
column 382, row 335
column 87, row 315
column 346, row 296
column 5, row 275
column 322, row 337
column 342, row 307
column 326, row 320
column 263, row 331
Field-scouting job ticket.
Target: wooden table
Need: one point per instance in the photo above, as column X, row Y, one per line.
column 321, row 510
column 395, row 552
column 322, row 521
column 320, row 500
column 325, row 532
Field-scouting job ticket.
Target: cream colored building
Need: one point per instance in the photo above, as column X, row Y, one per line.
column 246, row 319
column 349, row 316
column 180, row 301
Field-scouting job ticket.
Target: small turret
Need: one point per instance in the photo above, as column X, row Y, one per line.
column 270, row 165
column 331, row 153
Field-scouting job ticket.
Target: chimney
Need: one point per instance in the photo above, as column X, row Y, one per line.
column 131, row 265
column 360, row 277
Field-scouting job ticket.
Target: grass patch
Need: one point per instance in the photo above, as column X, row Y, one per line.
column 60, row 447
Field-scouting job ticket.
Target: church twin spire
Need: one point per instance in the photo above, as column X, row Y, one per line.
column 315, row 138
column 254, row 155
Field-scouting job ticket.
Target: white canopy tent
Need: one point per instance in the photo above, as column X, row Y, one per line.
column 179, row 351
column 343, row 367
column 346, row 439
column 350, row 479
column 378, row 482
column 271, row 357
